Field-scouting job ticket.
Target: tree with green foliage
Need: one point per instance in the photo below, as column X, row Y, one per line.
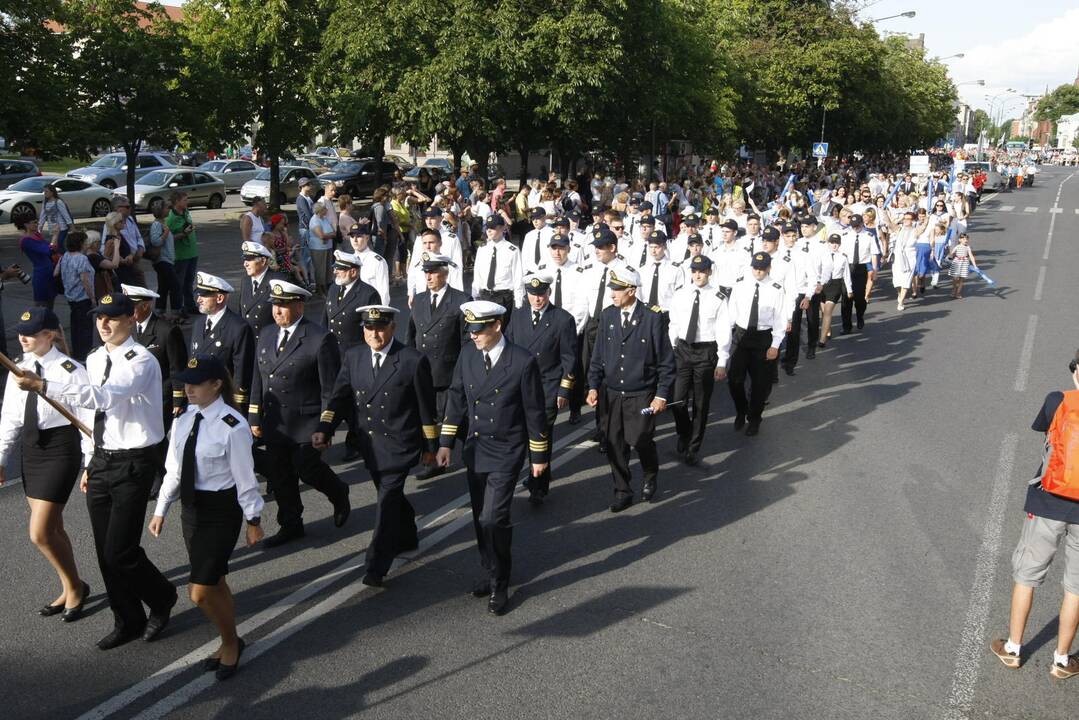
column 250, row 69
column 1062, row 101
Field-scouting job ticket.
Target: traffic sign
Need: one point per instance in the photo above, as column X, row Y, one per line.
column 820, row 150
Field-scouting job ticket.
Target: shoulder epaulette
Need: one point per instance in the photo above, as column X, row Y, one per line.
column 230, row 420
column 805, row 249
column 130, row 354
column 68, row 365
column 542, row 266
column 655, row 308
column 720, row 295
column 512, row 246
column 585, row 267
column 676, row 264
column 619, row 257
column 777, row 286
column 740, row 279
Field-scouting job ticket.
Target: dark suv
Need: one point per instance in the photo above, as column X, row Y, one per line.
column 12, row 171
column 359, row 177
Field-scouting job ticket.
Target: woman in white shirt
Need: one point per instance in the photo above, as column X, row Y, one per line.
column 53, row 452
column 209, row 467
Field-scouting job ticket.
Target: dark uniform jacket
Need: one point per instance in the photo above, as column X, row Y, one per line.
column 638, row 361
column 166, row 343
column 255, row 308
column 395, row 412
column 505, row 410
column 233, row 343
column 554, row 345
column 340, row 316
column 291, row 389
column 439, row 336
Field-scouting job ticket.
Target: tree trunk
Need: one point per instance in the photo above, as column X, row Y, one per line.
column 131, row 151
column 524, row 152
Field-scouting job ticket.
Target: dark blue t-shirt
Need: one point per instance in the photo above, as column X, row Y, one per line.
column 1039, row 502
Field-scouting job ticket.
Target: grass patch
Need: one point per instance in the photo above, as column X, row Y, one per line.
column 57, row 165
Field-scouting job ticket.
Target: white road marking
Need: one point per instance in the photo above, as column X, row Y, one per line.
column 301, row 595
column 1040, row 285
column 1056, row 210
column 1053, row 218
column 1030, row 209
column 972, row 643
column 1007, row 208
column 1026, row 355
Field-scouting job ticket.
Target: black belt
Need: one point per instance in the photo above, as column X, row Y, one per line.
column 699, row 345
column 134, row 452
column 493, row 293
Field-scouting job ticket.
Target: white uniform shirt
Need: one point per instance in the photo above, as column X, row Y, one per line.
column 535, row 246
column 594, row 285
column 832, row 266
column 375, row 272
column 222, row 457
column 867, row 245
column 56, row 368
column 670, row 278
column 581, row 249
column 574, row 295
column 451, row 246
column 713, row 324
column 130, row 398
column 712, row 234
column 770, row 306
column 509, row 274
column 730, row 262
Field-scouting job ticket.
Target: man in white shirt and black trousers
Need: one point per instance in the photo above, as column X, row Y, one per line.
column 498, row 273
column 860, row 246
column 125, row 393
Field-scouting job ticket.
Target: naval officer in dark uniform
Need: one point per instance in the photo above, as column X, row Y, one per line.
column 255, row 305
column 436, row 329
column 339, row 317
column 223, row 334
column 387, row 386
column 550, row 334
column 632, row 370
column 295, row 372
column 498, row 386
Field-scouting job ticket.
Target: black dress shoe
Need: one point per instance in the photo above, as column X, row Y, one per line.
column 574, row 418
column 157, row 622
column 535, row 497
column 861, row 323
column 692, row 459
column 621, row 503
column 602, row 448
column 648, row 491
column 341, row 510
column 789, row 369
column 482, row 588
column 810, row 354
column 118, row 637
column 282, row 536
column 845, row 331
column 210, row 664
column 753, row 429
column 74, row 613
column 499, row 602
column 739, row 422
column 822, row 345
column 50, row 610
column 350, row 455
column 371, row 580
column 430, row 472
column 224, row 672
column 683, row 445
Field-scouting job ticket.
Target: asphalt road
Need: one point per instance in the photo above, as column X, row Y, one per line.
column 852, row 561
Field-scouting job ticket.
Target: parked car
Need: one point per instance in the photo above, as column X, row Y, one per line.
column 289, row 176
column 153, row 189
column 993, row 179
column 234, row 173
column 24, row 198
column 191, row 158
column 359, row 177
column 404, row 164
column 110, row 170
column 12, row 171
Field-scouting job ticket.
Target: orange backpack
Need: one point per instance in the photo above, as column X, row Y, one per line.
column 1061, row 474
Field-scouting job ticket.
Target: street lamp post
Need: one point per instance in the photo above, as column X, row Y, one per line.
column 907, row 14
column 957, row 56
column 972, row 82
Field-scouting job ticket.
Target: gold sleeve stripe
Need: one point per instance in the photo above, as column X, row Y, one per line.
column 567, row 383
column 252, row 409
column 430, row 432
column 178, row 393
column 538, row 445
column 327, row 416
column 449, row 429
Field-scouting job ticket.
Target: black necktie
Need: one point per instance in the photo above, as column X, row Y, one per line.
column 30, row 433
column 653, row 293
column 254, row 287
column 340, row 292
column 558, row 288
column 625, row 320
column 99, row 416
column 788, row 257
column 644, row 256
column 377, row 365
column 754, row 309
column 538, row 236
column 599, row 295
column 491, row 268
column 187, row 465
column 209, row 327
column 854, row 260
column 284, row 341
column 694, row 318
column 487, row 362
column 434, row 303
column 535, row 318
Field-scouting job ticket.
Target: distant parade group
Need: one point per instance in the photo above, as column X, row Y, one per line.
column 605, row 310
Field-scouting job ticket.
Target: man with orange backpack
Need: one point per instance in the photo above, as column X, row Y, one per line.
column 1052, row 523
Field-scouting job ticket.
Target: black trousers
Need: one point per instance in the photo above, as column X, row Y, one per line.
column 749, row 358
column 794, row 337
column 491, row 494
column 82, row 329
column 287, row 464
column 395, row 519
column 118, row 489
column 859, row 276
column 586, row 342
column 693, row 386
column 623, row 426
column 542, row 484
column 504, row 298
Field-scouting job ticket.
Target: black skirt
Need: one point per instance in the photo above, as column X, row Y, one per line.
column 51, row 466
column 211, row 525
column 833, row 290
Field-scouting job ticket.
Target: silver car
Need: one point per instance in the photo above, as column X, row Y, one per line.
column 290, row 178
column 234, row 173
column 23, row 200
column 110, row 170
column 153, row 190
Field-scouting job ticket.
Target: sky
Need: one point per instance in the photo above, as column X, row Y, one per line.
column 1019, row 46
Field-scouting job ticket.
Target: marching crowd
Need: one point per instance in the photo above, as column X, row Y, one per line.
column 629, row 297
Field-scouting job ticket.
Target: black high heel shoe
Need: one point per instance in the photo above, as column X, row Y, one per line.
column 224, row 672
column 72, row 614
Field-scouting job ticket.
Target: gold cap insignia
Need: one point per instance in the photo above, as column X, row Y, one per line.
column 426, row 256
column 25, row 316
column 470, row 316
column 107, row 300
column 278, row 290
column 535, row 283
column 374, row 314
column 193, row 363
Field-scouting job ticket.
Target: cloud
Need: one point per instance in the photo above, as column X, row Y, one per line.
column 1046, row 55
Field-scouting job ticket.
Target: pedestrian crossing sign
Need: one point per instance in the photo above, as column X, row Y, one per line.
column 820, row 150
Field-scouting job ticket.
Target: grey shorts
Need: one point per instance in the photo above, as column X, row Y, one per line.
column 1037, row 547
